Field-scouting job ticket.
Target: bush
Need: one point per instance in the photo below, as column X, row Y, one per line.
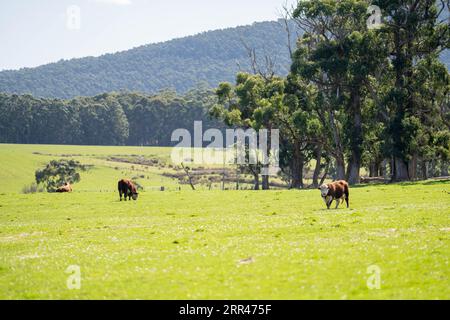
column 32, row 188
column 58, row 172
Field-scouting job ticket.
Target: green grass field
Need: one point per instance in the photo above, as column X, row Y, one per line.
column 204, row 244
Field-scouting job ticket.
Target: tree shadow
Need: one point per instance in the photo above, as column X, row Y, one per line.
column 436, row 182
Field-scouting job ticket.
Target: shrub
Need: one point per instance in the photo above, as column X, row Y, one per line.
column 32, row 188
column 58, row 172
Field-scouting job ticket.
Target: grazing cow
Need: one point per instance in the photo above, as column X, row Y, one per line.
column 335, row 191
column 128, row 189
column 65, row 188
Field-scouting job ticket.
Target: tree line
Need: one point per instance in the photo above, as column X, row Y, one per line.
column 106, row 119
column 355, row 97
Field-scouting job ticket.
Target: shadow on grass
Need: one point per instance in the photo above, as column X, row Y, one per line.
column 332, row 210
column 434, row 182
column 373, row 184
column 404, row 184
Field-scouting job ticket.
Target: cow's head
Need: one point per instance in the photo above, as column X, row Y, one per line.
column 135, row 195
column 324, row 190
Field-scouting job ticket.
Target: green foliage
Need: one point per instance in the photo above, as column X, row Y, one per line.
column 58, row 172
column 32, row 188
column 382, row 92
column 106, row 119
column 348, row 95
column 418, row 99
column 207, row 58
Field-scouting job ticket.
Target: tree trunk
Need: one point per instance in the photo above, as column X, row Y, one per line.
column 327, row 167
column 297, row 168
column 265, row 181
column 339, row 153
column 383, row 169
column 424, row 169
column 375, row 169
column 400, row 170
column 444, row 168
column 433, row 168
column 340, row 168
column 372, row 169
column 255, row 179
column 412, row 166
column 266, row 165
column 353, row 175
column 318, row 157
column 403, row 65
column 256, row 183
column 356, row 138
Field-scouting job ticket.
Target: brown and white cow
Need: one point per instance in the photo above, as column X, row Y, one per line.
column 336, row 191
column 65, row 188
column 128, row 189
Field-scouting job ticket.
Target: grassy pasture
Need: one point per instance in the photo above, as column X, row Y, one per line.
column 277, row 244
column 19, row 162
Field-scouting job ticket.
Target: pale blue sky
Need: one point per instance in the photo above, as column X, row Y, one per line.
column 35, row 32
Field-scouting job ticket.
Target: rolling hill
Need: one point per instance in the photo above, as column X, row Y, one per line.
column 180, row 64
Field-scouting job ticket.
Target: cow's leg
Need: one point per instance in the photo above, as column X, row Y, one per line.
column 120, row 195
column 337, row 203
column 330, row 201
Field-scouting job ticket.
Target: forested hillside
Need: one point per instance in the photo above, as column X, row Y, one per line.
column 106, row 119
column 180, row 64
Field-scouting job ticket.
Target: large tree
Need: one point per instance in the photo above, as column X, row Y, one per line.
column 339, row 54
column 415, row 30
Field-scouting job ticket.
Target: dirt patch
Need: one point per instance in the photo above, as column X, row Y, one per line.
column 154, row 162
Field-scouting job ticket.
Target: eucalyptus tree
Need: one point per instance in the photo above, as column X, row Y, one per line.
column 303, row 134
column 416, row 30
column 251, row 103
column 339, row 54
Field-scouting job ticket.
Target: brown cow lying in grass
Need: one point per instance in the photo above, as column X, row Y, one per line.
column 337, row 191
column 128, row 189
column 65, row 188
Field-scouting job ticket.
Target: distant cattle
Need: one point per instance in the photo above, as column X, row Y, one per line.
column 337, row 191
column 65, row 188
column 127, row 189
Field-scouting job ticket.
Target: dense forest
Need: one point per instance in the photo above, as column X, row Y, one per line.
column 106, row 119
column 180, row 64
column 355, row 96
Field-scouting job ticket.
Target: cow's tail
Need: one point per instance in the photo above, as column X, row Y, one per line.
column 347, row 195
